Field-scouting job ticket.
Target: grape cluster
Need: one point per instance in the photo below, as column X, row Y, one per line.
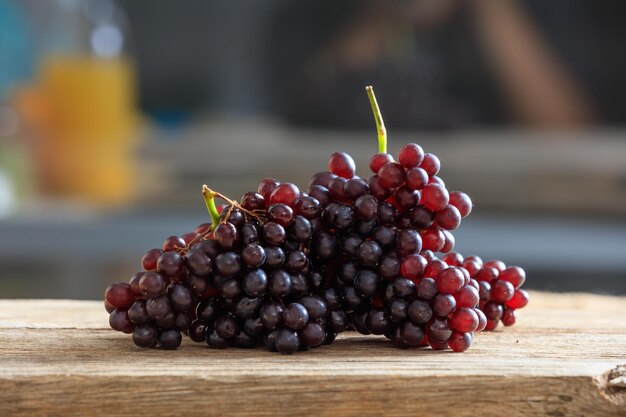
column 375, row 245
column 245, row 283
column 290, row 270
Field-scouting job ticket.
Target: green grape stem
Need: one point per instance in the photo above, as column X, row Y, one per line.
column 378, row 118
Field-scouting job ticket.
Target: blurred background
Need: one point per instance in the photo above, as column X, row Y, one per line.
column 113, row 115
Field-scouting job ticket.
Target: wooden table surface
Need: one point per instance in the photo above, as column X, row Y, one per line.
column 565, row 357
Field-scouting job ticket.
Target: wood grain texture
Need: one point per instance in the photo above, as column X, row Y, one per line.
column 58, row 358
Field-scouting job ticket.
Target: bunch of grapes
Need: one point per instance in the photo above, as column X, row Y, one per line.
column 246, row 282
column 290, row 270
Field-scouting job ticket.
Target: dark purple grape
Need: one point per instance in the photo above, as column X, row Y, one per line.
column 279, row 283
column 300, row 229
column 214, row 340
column 247, row 308
column 226, row 326
column 420, row 311
column 253, row 255
column 145, row 336
column 196, row 331
column 199, row 262
column 208, row 310
column 398, row 310
column 403, row 287
column 355, row 188
column 287, row 341
column 366, row 283
column 369, row 253
column 158, row 307
column 366, row 207
column 295, row 316
column 271, row 315
column 119, row 320
column 281, row 214
column 253, row 201
column 255, row 283
column 385, row 236
column 321, row 194
column 228, row 263
column 312, row 334
column 180, row 297
column 377, row 322
column 249, row 233
column 273, row 233
column 275, row 257
column 226, row 235
column 230, row 288
column 308, row 207
column 137, row 312
column 152, row 284
column 170, row 263
column 408, row 242
column 387, row 213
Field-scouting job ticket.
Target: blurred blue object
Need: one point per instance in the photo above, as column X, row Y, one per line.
column 16, row 48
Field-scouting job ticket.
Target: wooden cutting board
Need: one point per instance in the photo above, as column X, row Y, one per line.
column 565, row 357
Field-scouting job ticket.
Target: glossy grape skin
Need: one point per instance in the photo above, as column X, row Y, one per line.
column 285, row 193
column 119, row 320
column 266, row 187
column 450, row 281
column 355, row 188
column 496, row 264
column 279, row 283
column 420, row 312
column 432, row 239
column 460, row 342
column 173, row 243
column 493, row 311
column 152, row 284
column 158, row 308
column 411, row 155
column 369, row 253
column 119, row 295
column 271, row 315
column 312, row 335
column 449, row 241
column 199, row 262
column 228, row 264
column 230, row 288
column 196, row 331
column 145, row 336
column 366, row 207
column 385, row 236
column 170, row 339
column 462, row 202
column 149, row 260
column 389, row 267
column 406, row 198
column 435, row 197
column 408, row 242
column 410, row 334
column 287, row 341
column 253, row 255
column 513, row 274
column 275, row 257
column 449, row 218
column 134, row 284
column 227, row 235
column 398, row 310
column 280, row 213
column 421, row 217
column 226, row 326
column 467, row 296
column 315, row 306
column 502, row 291
column 427, row 288
column 170, row 263
column 443, row 304
column 366, row 283
column 464, row 319
column 387, row 213
column 413, row 266
column 377, row 189
column 342, row 164
column 273, row 233
column 508, row 317
column 308, row 207
column 180, row 297
column 295, row 316
column 416, row 178
column 337, row 189
column 253, row 201
column 391, row 175
column 430, row 164
column 378, row 160
column 519, row 300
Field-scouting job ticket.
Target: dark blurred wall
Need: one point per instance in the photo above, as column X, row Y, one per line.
column 245, row 56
